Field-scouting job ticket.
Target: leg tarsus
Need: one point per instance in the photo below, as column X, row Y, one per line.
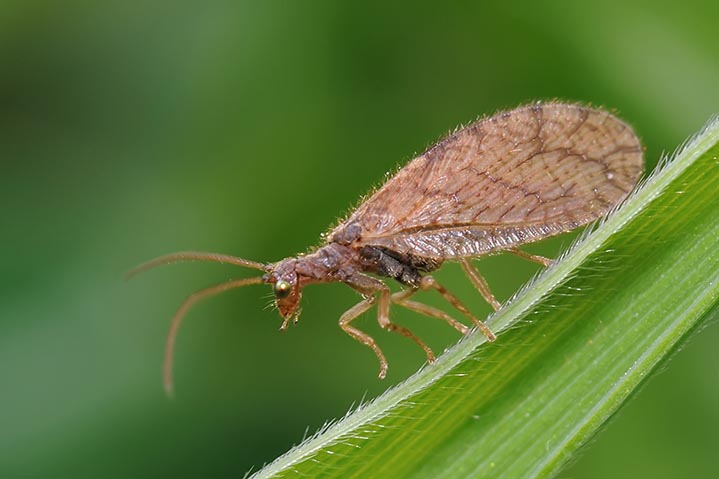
column 546, row 262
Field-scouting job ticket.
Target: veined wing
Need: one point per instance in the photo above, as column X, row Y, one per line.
column 502, row 181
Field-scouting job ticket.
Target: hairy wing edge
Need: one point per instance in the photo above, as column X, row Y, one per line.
column 463, row 242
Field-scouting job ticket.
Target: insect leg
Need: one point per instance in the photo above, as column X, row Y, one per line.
column 532, row 257
column 368, row 285
column 360, row 336
column 480, row 283
column 401, row 298
column 428, row 282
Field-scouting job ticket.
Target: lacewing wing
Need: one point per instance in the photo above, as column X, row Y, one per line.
column 510, row 179
column 494, row 185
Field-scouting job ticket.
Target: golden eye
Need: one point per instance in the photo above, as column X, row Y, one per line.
column 282, row 289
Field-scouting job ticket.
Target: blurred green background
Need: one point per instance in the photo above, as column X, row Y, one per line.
column 129, row 130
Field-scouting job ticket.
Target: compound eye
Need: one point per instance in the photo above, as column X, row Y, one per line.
column 282, row 289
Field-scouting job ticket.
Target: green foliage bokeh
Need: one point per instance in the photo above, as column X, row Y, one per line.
column 129, row 131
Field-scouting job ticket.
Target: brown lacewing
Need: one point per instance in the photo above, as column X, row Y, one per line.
column 498, row 183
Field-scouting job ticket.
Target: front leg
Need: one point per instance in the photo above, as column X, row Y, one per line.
column 368, row 287
column 360, row 336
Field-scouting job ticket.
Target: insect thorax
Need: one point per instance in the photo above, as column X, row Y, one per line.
column 404, row 268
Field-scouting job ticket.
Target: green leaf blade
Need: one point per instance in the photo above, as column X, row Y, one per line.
column 572, row 348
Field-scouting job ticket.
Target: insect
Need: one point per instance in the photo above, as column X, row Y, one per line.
column 500, row 182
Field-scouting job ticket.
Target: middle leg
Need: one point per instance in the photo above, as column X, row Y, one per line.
column 401, row 298
column 428, row 282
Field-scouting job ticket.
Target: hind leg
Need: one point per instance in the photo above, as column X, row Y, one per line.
column 480, row 283
column 532, row 257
